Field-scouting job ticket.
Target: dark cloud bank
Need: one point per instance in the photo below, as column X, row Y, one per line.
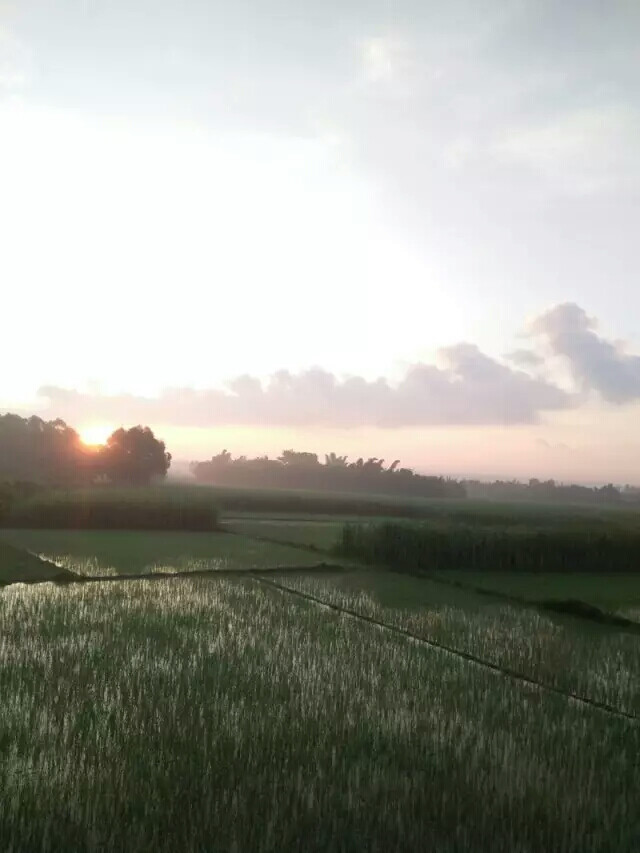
column 469, row 389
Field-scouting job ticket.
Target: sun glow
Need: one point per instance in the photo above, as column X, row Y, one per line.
column 95, row 434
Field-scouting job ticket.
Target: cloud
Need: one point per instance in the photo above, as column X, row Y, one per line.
column 585, row 150
column 464, row 387
column 384, row 58
column 470, row 388
column 596, row 363
column 15, row 63
column 524, row 358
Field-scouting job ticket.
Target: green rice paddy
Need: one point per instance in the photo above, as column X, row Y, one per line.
column 363, row 709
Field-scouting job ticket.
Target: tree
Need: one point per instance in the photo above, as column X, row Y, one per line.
column 295, row 470
column 331, row 460
column 374, row 465
column 134, row 456
column 42, row 451
column 297, row 458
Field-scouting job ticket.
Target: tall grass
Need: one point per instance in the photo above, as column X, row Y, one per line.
column 115, row 509
column 215, row 716
column 597, row 663
column 456, row 546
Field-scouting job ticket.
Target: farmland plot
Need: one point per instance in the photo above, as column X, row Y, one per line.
column 122, row 552
column 216, row 715
column 594, row 661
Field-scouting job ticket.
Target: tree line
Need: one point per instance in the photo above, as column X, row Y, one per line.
column 304, row 470
column 51, row 452
column 36, row 451
column 548, row 491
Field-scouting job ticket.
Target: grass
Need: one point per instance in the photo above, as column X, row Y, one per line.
column 307, row 502
column 615, row 593
column 300, row 502
column 222, row 714
column 608, row 591
column 115, row 509
column 19, row 566
column 511, row 549
column 216, row 715
column 574, row 655
column 318, row 533
column 105, row 552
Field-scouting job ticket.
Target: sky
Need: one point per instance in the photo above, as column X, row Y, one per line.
column 402, row 229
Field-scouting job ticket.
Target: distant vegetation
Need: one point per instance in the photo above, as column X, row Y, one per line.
column 52, row 452
column 549, row 491
column 455, row 546
column 27, row 504
column 302, row 470
column 122, row 509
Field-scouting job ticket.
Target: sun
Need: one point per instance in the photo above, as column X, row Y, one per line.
column 95, row 434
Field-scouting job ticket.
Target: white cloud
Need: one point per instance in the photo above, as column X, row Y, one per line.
column 596, row 363
column 385, row 59
column 585, row 150
column 16, row 63
column 467, row 388
column 471, row 388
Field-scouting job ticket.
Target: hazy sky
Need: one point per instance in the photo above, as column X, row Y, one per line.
column 390, row 228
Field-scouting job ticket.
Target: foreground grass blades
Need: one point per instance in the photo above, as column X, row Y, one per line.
column 592, row 661
column 216, row 715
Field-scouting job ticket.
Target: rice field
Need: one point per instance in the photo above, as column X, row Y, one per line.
column 610, row 591
column 122, row 552
column 19, row 566
column 593, row 661
column 319, row 533
column 224, row 713
column 221, row 715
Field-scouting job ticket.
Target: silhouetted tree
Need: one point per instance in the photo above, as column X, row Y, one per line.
column 42, row 451
column 293, row 457
column 303, row 471
column 333, row 461
column 134, row 456
column 543, row 490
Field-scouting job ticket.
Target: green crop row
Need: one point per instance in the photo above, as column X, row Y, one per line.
column 425, row 547
column 113, row 509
